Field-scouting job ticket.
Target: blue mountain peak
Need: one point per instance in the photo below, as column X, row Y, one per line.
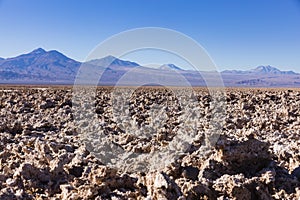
column 38, row 51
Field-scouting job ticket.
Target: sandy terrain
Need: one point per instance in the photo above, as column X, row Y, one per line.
column 44, row 156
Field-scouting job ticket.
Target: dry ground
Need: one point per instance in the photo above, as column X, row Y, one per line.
column 256, row 156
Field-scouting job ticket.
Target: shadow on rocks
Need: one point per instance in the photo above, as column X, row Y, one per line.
column 247, row 170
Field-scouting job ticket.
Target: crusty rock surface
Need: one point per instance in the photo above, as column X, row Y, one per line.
column 43, row 155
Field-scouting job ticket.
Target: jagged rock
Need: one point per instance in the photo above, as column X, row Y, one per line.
column 232, row 186
column 48, row 104
column 254, row 155
column 190, row 172
column 160, row 186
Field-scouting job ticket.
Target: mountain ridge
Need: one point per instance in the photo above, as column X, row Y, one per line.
column 52, row 66
column 116, row 61
column 111, row 61
column 40, row 64
column 261, row 70
column 169, row 66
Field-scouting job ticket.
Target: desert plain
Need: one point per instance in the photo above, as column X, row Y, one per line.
column 254, row 155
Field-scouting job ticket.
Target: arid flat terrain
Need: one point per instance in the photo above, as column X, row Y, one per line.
column 47, row 151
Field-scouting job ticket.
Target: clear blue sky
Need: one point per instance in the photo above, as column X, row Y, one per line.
column 238, row 34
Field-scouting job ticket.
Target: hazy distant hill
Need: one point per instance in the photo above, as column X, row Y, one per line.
column 112, row 61
column 261, row 76
column 52, row 67
column 261, row 70
column 169, row 66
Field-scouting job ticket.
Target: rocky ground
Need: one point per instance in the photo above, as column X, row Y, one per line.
column 44, row 156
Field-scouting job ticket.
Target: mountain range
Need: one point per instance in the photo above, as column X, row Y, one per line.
column 261, row 70
column 53, row 67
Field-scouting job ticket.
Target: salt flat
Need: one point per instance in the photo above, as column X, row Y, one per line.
column 45, row 152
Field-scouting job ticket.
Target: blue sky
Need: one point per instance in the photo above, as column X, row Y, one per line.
column 238, row 34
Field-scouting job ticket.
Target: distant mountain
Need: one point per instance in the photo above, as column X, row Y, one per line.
column 52, row 67
column 169, row 66
column 39, row 65
column 112, row 61
column 261, row 76
column 234, row 71
column 1, row 58
column 270, row 70
column 262, row 70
